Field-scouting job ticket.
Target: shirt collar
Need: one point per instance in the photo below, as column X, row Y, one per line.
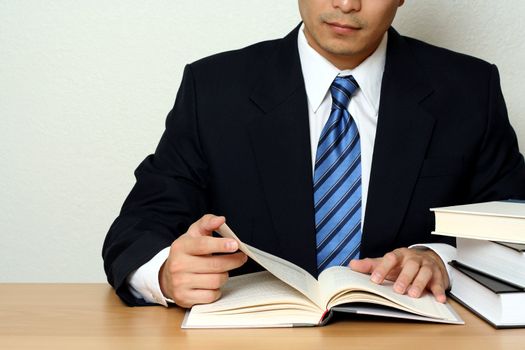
column 319, row 73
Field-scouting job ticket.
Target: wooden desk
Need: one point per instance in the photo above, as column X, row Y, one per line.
column 90, row 316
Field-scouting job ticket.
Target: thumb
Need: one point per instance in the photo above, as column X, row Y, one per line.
column 206, row 225
column 364, row 265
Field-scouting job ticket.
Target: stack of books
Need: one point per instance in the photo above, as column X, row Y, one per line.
column 488, row 275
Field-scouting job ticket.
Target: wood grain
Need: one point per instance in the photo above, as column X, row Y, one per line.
column 90, row 316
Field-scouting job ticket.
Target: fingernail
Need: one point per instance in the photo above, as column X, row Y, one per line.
column 399, row 287
column 441, row 298
column 231, row 245
column 376, row 277
column 413, row 292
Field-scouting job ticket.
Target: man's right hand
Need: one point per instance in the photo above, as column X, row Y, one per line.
column 192, row 274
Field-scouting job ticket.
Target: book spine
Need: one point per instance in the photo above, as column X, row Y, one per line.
column 326, row 317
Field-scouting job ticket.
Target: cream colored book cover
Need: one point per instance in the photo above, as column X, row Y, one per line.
column 496, row 221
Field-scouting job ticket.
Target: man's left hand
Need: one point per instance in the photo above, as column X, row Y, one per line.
column 411, row 270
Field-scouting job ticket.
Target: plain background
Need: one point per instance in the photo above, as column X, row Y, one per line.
column 85, row 87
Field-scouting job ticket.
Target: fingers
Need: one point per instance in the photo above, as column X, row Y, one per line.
column 210, row 281
column 208, row 264
column 421, row 280
column 189, row 297
column 413, row 271
column 197, row 279
column 364, row 265
column 430, row 279
column 198, row 239
column 406, row 276
column 438, row 291
column 206, row 225
column 196, row 269
column 388, row 263
column 219, row 263
column 204, row 245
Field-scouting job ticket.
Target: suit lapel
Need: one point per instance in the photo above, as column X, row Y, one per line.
column 281, row 144
column 403, row 132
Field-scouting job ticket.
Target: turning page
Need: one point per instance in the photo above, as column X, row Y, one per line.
column 280, row 268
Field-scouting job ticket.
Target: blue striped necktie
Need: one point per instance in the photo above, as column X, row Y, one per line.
column 337, row 182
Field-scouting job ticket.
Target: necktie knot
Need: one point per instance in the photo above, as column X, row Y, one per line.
column 342, row 89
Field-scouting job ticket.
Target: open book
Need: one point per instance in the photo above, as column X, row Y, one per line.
column 287, row 296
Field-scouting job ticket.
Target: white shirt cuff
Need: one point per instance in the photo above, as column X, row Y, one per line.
column 144, row 282
column 445, row 251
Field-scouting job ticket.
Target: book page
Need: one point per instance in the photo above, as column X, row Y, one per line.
column 286, row 271
column 338, row 283
column 255, row 300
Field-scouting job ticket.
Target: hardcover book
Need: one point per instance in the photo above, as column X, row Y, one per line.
column 499, row 303
column 493, row 221
column 505, row 261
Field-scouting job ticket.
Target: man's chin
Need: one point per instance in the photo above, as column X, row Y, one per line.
column 341, row 49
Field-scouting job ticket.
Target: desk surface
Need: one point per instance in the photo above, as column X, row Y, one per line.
column 90, row 316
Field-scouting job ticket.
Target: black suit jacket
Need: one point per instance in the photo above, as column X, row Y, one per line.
column 237, row 144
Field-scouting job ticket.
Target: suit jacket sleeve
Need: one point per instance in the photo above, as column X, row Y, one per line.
column 499, row 171
column 169, row 195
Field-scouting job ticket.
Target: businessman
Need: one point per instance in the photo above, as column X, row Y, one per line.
column 326, row 147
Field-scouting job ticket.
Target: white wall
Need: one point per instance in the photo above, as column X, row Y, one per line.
column 85, row 87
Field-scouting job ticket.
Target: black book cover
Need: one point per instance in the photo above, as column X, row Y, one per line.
column 493, row 283
column 519, row 247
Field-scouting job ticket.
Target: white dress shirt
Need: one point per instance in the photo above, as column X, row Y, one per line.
column 318, row 75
